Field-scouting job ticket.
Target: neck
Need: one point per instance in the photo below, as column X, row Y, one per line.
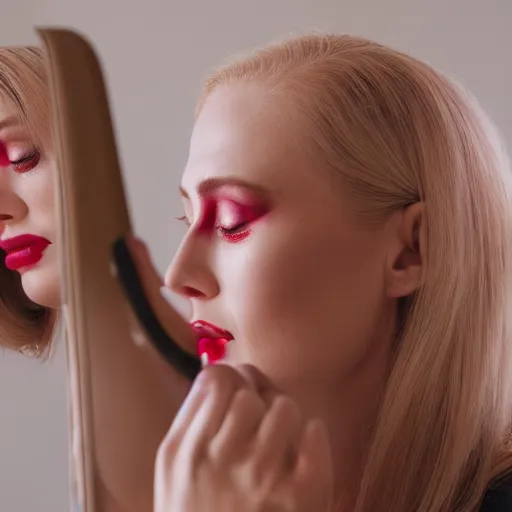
column 350, row 416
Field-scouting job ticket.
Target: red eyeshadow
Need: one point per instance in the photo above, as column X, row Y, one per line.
column 229, row 215
column 208, row 215
column 4, row 159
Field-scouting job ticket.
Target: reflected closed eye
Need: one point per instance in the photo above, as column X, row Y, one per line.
column 27, row 163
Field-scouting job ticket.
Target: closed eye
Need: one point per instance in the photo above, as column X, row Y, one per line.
column 233, row 229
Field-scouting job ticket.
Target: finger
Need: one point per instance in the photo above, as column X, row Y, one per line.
column 314, row 462
column 259, row 382
column 277, row 439
column 187, row 411
column 169, row 318
column 239, row 428
column 221, row 383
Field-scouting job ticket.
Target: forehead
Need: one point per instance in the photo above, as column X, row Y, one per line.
column 245, row 132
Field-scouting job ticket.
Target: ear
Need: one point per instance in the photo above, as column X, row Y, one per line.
column 406, row 264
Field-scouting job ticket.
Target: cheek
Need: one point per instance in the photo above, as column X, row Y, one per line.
column 295, row 291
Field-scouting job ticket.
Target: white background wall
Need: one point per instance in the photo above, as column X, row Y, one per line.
column 155, row 54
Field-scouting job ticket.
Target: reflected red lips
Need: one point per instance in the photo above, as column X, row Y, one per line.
column 23, row 251
column 212, row 342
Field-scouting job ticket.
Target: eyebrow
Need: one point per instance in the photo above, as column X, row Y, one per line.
column 210, row 185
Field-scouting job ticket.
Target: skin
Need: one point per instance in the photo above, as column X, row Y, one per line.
column 27, row 203
column 229, row 451
column 308, row 289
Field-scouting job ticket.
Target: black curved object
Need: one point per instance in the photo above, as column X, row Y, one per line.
column 185, row 363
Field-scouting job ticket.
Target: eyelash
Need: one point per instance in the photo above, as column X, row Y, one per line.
column 32, row 159
column 184, row 219
column 234, row 234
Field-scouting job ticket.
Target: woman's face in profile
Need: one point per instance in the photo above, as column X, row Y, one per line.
column 274, row 254
column 27, row 216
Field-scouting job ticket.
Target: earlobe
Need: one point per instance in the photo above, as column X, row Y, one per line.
column 407, row 263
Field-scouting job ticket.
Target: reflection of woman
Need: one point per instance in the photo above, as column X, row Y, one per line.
column 29, row 291
column 28, row 277
column 350, row 232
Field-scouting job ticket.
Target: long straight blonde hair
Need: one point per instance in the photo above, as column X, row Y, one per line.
column 24, row 325
column 397, row 131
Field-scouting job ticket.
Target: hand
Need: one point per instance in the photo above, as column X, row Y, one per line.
column 237, row 444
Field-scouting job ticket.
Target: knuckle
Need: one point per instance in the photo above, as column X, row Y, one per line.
column 168, row 447
column 165, row 456
column 250, row 374
column 247, row 402
column 245, row 406
column 285, row 407
column 219, row 378
column 242, row 398
column 215, row 454
column 258, row 478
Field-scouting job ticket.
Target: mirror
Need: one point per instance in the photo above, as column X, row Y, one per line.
column 123, row 389
column 122, row 397
column 33, row 424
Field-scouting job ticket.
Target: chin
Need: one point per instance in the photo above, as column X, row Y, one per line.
column 41, row 285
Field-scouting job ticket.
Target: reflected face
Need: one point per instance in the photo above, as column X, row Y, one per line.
column 27, row 210
column 274, row 253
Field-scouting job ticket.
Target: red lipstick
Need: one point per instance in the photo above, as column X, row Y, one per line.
column 211, row 345
column 23, row 251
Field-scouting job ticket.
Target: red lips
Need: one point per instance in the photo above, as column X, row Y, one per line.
column 23, row 251
column 212, row 342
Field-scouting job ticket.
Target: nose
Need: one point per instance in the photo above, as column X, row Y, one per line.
column 4, row 219
column 190, row 274
column 12, row 206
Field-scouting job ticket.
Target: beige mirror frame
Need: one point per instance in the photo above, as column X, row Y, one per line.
column 123, row 399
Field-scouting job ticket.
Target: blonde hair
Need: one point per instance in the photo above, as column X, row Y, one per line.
column 397, row 132
column 24, row 325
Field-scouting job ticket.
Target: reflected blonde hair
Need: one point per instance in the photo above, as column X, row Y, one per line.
column 24, row 325
column 397, row 132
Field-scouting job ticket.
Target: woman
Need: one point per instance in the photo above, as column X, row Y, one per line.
column 28, row 292
column 370, row 293
column 350, row 235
